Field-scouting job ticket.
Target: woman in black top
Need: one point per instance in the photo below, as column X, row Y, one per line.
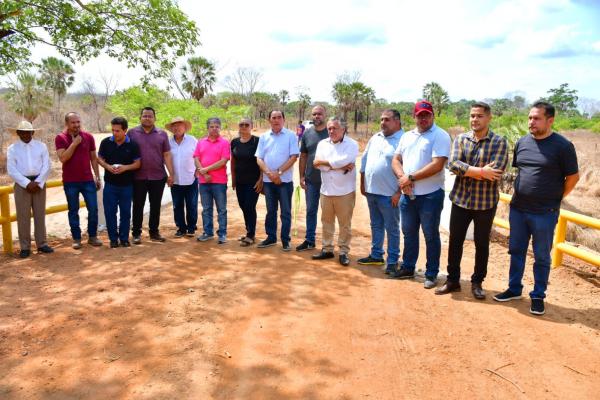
column 246, row 177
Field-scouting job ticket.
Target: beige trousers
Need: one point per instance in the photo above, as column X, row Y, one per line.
column 341, row 207
column 24, row 203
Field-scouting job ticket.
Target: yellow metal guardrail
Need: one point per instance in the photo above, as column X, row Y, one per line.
column 6, row 217
column 560, row 246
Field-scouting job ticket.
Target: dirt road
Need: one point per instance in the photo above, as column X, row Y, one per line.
column 189, row 320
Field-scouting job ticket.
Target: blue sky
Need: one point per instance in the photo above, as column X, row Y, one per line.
column 474, row 49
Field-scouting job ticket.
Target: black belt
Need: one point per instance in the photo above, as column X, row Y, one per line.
column 32, row 177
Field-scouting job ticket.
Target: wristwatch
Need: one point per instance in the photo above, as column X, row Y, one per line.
column 411, row 178
column 280, row 172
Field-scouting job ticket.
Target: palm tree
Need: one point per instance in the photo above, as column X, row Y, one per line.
column 198, row 77
column 437, row 96
column 57, row 76
column 28, row 96
column 284, row 97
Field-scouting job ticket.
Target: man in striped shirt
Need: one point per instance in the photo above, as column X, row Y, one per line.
column 478, row 160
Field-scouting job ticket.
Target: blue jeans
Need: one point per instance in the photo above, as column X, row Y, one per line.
column 247, row 199
column 384, row 219
column 88, row 190
column 185, row 206
column 276, row 195
column 424, row 211
column 540, row 228
column 117, row 198
column 214, row 193
column 313, row 194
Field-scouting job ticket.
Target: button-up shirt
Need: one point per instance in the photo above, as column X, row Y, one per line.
column 418, row 149
column 275, row 149
column 28, row 159
column 376, row 164
column 468, row 151
column 334, row 182
column 183, row 159
column 152, row 146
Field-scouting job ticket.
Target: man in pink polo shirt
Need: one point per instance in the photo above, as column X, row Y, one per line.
column 211, row 156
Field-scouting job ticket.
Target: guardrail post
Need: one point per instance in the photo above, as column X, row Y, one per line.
column 6, row 227
column 559, row 237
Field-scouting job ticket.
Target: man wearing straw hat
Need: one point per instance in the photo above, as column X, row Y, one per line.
column 184, row 191
column 28, row 164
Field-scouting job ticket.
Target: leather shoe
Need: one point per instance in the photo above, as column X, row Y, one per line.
column 323, row 255
column 24, row 253
column 45, row 249
column 448, row 287
column 344, row 260
column 477, row 291
column 156, row 237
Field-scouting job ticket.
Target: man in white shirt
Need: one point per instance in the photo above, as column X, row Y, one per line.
column 28, row 164
column 184, row 191
column 335, row 158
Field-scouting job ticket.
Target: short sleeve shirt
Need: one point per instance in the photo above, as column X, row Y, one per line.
column 78, row 168
column 542, row 168
column 308, row 145
column 113, row 153
column 246, row 169
column 418, row 150
column 275, row 149
column 376, row 164
column 208, row 153
column 152, row 147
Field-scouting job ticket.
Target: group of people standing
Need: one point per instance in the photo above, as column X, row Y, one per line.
column 401, row 177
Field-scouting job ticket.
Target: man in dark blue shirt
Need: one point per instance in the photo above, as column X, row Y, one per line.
column 547, row 172
column 119, row 156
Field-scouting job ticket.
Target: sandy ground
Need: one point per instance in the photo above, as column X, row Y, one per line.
column 189, row 320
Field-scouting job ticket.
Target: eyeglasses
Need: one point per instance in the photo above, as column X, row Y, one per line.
column 243, row 125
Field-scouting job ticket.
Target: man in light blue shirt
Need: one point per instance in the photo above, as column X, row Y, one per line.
column 276, row 153
column 379, row 185
column 419, row 166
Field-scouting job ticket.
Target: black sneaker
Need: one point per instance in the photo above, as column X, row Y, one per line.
column 137, row 239
column 267, row 243
column 370, row 261
column 286, row 246
column 24, row 253
column 537, row 307
column 390, row 269
column 179, row 234
column 125, row 244
column 45, row 249
column 306, row 245
column 403, row 273
column 507, row 295
column 114, row 245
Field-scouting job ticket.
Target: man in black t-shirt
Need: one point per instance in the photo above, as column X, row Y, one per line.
column 547, row 172
column 310, row 177
column 119, row 156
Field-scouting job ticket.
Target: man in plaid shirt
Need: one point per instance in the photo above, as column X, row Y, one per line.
column 478, row 160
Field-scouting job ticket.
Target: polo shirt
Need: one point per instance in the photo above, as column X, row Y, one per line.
column 152, row 146
column 113, row 153
column 334, row 181
column 183, row 159
column 78, row 168
column 418, row 150
column 208, row 153
column 376, row 164
column 308, row 145
column 275, row 149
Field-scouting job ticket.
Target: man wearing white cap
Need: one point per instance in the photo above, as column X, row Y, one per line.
column 28, row 164
column 184, row 191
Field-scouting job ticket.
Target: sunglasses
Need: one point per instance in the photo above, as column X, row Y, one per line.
column 243, row 125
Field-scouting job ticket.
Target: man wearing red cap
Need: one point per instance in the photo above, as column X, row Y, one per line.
column 419, row 166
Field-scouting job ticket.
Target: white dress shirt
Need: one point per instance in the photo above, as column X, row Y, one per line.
column 28, row 159
column 334, row 181
column 183, row 159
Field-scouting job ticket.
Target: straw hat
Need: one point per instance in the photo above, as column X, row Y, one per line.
column 188, row 124
column 23, row 126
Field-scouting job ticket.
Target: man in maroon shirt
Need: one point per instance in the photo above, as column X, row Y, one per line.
column 150, row 179
column 76, row 151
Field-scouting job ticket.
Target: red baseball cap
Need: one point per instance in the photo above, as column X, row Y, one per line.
column 423, row 106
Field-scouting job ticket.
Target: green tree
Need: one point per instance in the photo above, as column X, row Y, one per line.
column 149, row 34
column 57, row 75
column 284, row 98
column 437, row 96
column 198, row 77
column 304, row 102
column 563, row 98
column 129, row 102
column 27, row 96
column 262, row 103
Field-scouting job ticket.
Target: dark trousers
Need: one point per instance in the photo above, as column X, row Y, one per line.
column 185, row 206
column 117, row 198
column 247, row 199
column 460, row 218
column 154, row 190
